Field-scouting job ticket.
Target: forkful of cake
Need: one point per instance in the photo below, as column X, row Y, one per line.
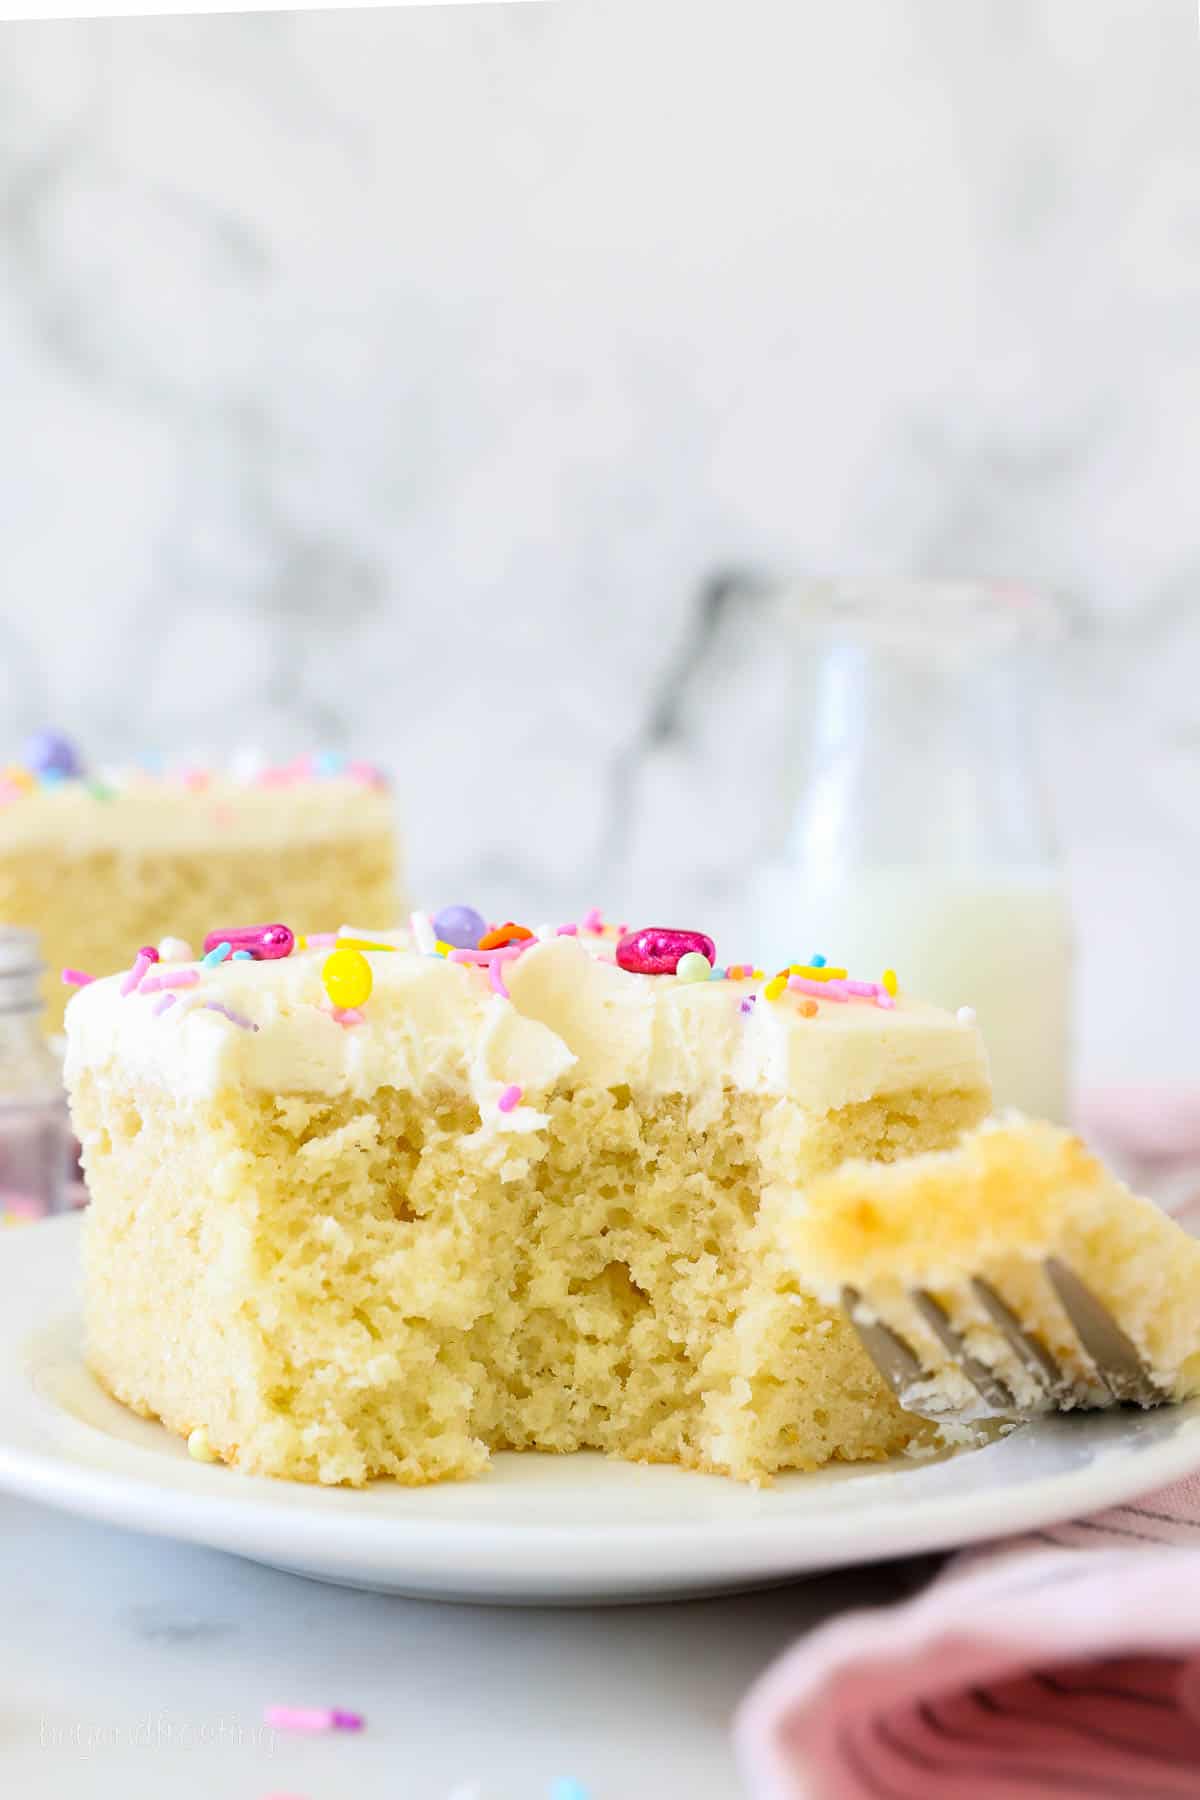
column 1010, row 1276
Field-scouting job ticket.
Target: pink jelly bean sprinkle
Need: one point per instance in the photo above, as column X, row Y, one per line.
column 656, row 949
column 510, row 1098
column 265, row 943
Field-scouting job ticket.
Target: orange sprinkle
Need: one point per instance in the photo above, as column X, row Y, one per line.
column 890, row 984
column 502, row 935
column 809, row 1008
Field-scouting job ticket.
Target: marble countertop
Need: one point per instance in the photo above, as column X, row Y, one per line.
column 132, row 1668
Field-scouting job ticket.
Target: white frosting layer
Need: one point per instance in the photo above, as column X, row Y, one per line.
column 149, row 815
column 430, row 1021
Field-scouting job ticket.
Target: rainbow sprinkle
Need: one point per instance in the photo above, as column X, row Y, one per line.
column 235, row 1018
column 142, row 964
column 216, row 955
column 76, row 978
column 312, row 1718
column 178, row 978
column 510, row 1098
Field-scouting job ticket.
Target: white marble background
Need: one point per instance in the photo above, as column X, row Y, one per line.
column 406, row 379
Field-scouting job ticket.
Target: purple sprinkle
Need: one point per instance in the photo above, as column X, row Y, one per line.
column 748, row 1003
column 160, row 1006
column 346, row 1721
column 235, row 1018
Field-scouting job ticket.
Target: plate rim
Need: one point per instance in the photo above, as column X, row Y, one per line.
column 296, row 1523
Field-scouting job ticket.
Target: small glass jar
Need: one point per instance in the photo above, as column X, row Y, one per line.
column 35, row 1140
column 916, row 834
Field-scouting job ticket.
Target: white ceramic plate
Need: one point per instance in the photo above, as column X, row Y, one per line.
column 536, row 1528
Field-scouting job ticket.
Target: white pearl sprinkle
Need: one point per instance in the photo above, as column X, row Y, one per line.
column 965, row 1015
column 175, row 950
column 544, row 933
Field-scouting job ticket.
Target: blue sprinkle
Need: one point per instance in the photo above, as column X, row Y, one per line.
column 216, row 955
column 567, row 1788
column 817, row 962
column 241, row 956
column 328, row 762
column 716, row 974
column 53, row 777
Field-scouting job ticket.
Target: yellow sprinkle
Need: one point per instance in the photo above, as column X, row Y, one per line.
column 756, row 975
column 199, row 1447
column 890, row 984
column 443, row 949
column 347, row 977
column 349, row 943
column 811, row 973
column 774, row 987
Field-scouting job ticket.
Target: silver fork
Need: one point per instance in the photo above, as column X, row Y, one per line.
column 1122, row 1376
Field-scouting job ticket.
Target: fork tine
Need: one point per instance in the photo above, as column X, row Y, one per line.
column 1117, row 1361
column 1030, row 1352
column 986, row 1383
column 892, row 1355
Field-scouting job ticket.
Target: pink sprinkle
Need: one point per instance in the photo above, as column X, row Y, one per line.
column 819, row 990
column 150, row 951
column 195, row 779
column 496, row 977
column 367, row 773
column 509, row 1098
column 135, row 976
column 320, row 940
column 867, row 989
column 76, row 978
column 312, row 1718
column 884, row 999
column 178, row 978
column 160, row 1006
column 593, row 921
column 348, row 1015
column 567, row 931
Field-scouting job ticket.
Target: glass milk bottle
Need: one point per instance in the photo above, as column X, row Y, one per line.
column 34, row 1135
column 916, row 837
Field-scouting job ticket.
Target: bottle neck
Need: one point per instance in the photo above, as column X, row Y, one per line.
column 902, row 765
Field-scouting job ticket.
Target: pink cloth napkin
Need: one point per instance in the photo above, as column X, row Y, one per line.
column 1065, row 1662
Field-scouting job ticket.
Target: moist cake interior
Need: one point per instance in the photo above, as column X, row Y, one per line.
column 535, row 1206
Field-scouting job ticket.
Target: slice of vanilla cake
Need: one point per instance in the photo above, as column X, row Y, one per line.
column 384, row 1207
column 1010, row 1205
column 95, row 865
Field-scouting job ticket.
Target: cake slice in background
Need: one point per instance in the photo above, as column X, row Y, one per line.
column 96, row 867
column 1012, row 1195
column 383, row 1211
